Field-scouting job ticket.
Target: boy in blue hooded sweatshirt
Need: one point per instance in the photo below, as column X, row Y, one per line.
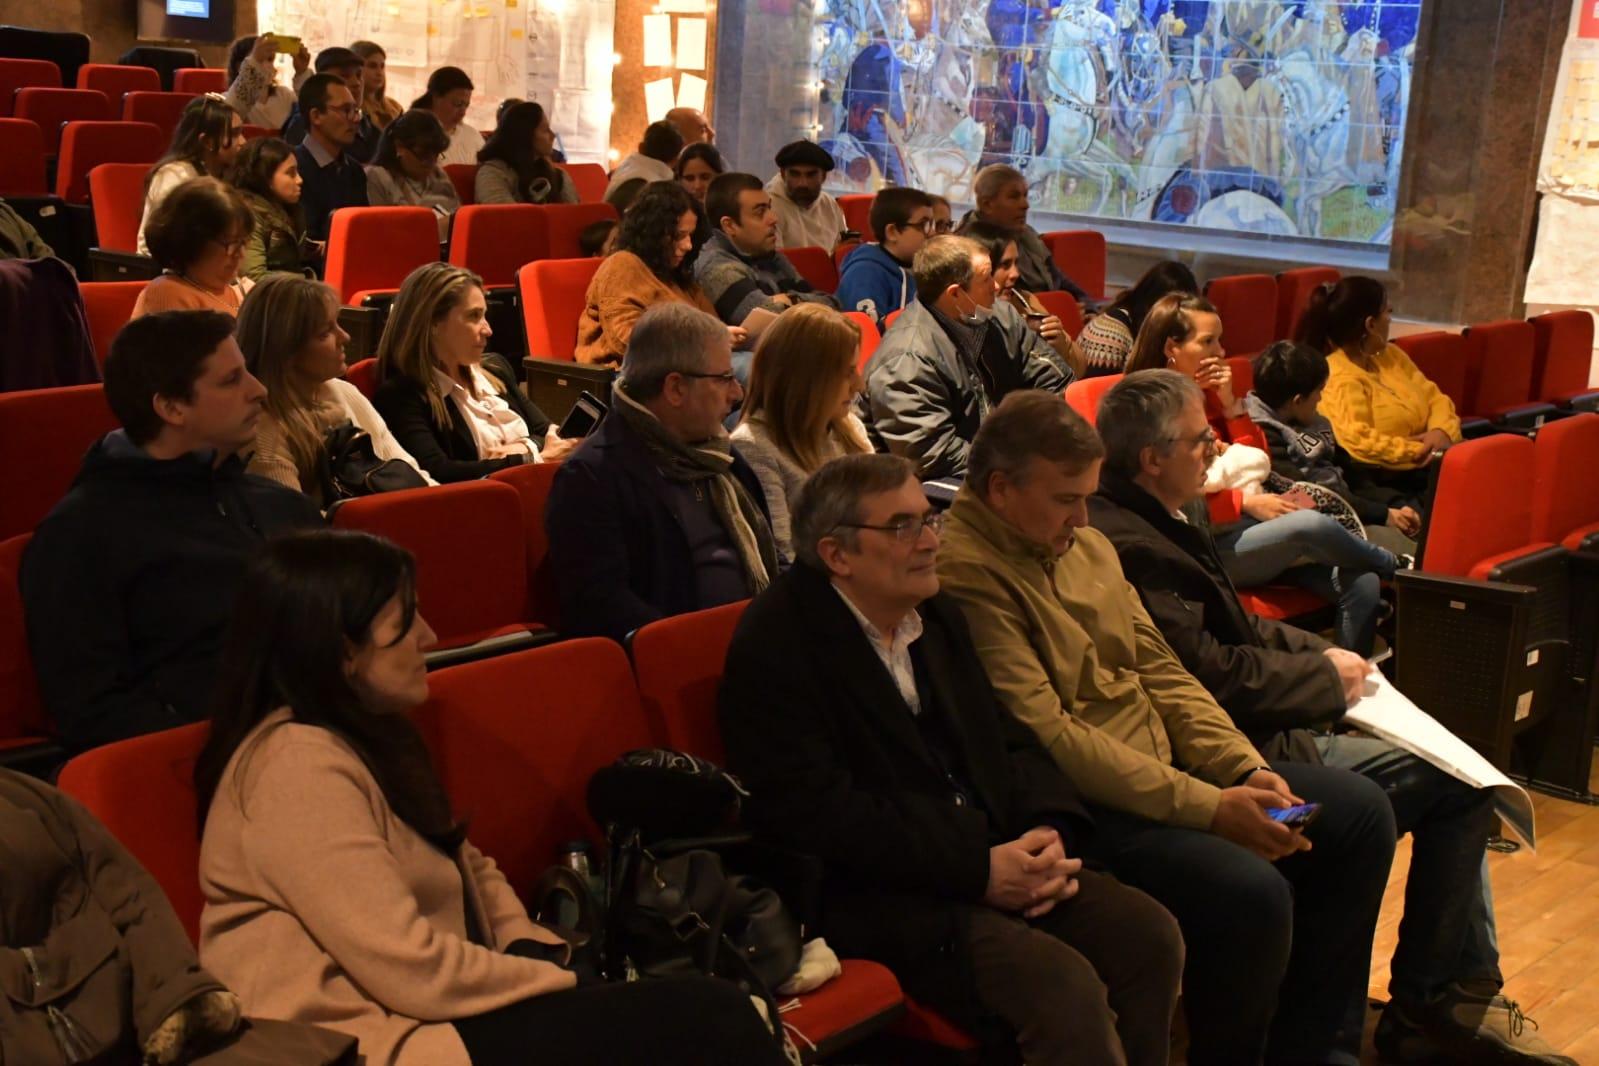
column 877, row 277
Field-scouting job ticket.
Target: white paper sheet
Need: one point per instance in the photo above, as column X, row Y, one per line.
column 1387, row 713
column 690, row 44
column 657, row 40
column 683, row 7
column 691, row 91
column 658, row 98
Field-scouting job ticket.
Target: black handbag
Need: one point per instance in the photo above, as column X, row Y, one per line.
column 351, row 467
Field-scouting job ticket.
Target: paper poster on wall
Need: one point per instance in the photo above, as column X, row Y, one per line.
column 657, row 40
column 691, row 92
column 658, row 98
column 569, row 49
column 690, row 44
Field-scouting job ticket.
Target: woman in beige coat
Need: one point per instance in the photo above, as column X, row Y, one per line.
column 339, row 886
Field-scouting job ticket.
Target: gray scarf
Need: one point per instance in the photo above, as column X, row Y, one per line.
column 709, row 461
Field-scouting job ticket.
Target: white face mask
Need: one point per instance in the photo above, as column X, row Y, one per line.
column 978, row 315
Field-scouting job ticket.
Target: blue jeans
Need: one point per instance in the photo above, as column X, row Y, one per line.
column 1311, row 550
column 1447, row 932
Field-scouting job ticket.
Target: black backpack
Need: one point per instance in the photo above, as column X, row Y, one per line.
column 350, row 467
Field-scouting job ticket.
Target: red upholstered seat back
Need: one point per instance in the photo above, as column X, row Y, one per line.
column 1562, row 355
column 1243, row 374
column 1293, row 294
column 565, row 223
column 590, row 180
column 1247, row 304
column 22, row 153
column 816, row 266
column 1483, row 505
column 116, row 81
column 1443, row 358
column 52, row 108
column 857, row 208
column 43, row 436
column 1500, row 367
column 22, row 718
column 1566, row 481
column 374, row 248
column 162, row 110
column 85, row 145
column 515, row 739
column 494, row 241
column 117, row 192
column 108, row 306
column 532, row 483
column 25, row 73
column 363, row 374
column 1084, row 395
column 870, row 338
column 679, row 663
column 1064, row 306
column 1080, row 255
column 470, row 560
column 553, row 293
column 464, row 177
column 142, row 789
column 200, row 80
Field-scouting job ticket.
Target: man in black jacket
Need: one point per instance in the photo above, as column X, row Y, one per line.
column 1286, row 689
column 655, row 514
column 128, row 583
column 856, row 710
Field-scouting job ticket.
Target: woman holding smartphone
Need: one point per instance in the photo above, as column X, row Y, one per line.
column 1263, row 536
column 1002, row 252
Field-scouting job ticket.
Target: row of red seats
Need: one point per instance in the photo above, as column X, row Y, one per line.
column 1258, row 309
column 113, row 81
column 1516, row 371
column 515, row 739
column 590, row 180
column 83, row 144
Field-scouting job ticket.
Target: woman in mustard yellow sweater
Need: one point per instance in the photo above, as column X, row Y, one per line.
column 1385, row 413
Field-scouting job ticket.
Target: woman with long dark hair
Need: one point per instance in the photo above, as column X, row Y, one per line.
column 1107, row 339
column 405, row 170
column 1385, row 412
column 1000, row 243
column 515, row 166
column 267, row 176
column 339, row 885
column 648, row 264
column 448, row 95
column 205, row 144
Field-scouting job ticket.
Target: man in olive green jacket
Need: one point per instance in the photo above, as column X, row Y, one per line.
column 1278, row 934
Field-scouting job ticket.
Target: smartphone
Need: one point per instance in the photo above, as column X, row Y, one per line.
column 287, row 45
column 583, row 417
column 1301, row 498
column 1298, row 817
column 849, row 235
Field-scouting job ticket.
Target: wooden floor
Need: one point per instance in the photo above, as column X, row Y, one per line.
column 1547, row 905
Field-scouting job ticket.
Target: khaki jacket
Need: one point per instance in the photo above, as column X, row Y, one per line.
column 1071, row 652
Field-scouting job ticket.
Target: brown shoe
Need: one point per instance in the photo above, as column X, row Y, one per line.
column 1477, row 1027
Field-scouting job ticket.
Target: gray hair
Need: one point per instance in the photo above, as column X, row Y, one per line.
column 1030, row 423
column 669, row 338
column 994, row 177
column 1139, row 411
column 944, row 261
column 831, row 498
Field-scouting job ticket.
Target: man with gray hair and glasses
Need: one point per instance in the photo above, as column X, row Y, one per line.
column 948, row 359
column 1278, row 932
column 655, row 514
column 1287, row 689
column 855, row 709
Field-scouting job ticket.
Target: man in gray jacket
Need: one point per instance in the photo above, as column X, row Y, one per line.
column 948, row 360
column 740, row 268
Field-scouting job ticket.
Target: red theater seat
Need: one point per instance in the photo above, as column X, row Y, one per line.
column 373, row 249
column 22, row 159
column 815, row 266
column 1466, row 533
column 1080, row 255
column 162, row 110
column 1247, row 304
column 590, row 180
column 115, row 81
column 870, row 338
column 142, row 791
column 200, row 80
column 857, row 208
column 364, row 376
column 24, row 74
column 464, row 177
column 532, row 483
column 22, row 718
column 1064, row 306
column 86, row 145
column 471, row 562
column 44, row 434
column 50, row 109
column 1565, row 505
column 554, row 292
column 1564, row 357
column 108, row 306
column 565, row 223
column 1442, row 357
column 1293, row 294
column 1500, row 371
column 117, row 192
column 494, row 241
column 1084, row 394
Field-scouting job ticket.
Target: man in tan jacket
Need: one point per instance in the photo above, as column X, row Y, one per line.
column 1278, row 932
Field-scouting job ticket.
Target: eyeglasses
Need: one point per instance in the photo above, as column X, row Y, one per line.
column 908, row 531
column 349, row 111
column 726, row 378
column 944, row 225
column 232, row 247
column 1207, row 438
column 928, row 226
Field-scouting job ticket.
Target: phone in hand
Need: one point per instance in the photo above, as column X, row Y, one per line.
column 583, row 417
column 287, row 45
column 1299, row 816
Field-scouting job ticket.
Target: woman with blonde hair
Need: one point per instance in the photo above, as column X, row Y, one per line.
column 375, row 101
column 290, row 336
column 452, row 404
column 797, row 409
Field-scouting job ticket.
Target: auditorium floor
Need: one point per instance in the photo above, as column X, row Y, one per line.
column 1548, row 910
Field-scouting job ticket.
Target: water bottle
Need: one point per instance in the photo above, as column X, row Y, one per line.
column 576, row 856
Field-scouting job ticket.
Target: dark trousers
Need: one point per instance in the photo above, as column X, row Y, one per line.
column 693, row 1021
column 1091, row 983
column 1277, row 952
